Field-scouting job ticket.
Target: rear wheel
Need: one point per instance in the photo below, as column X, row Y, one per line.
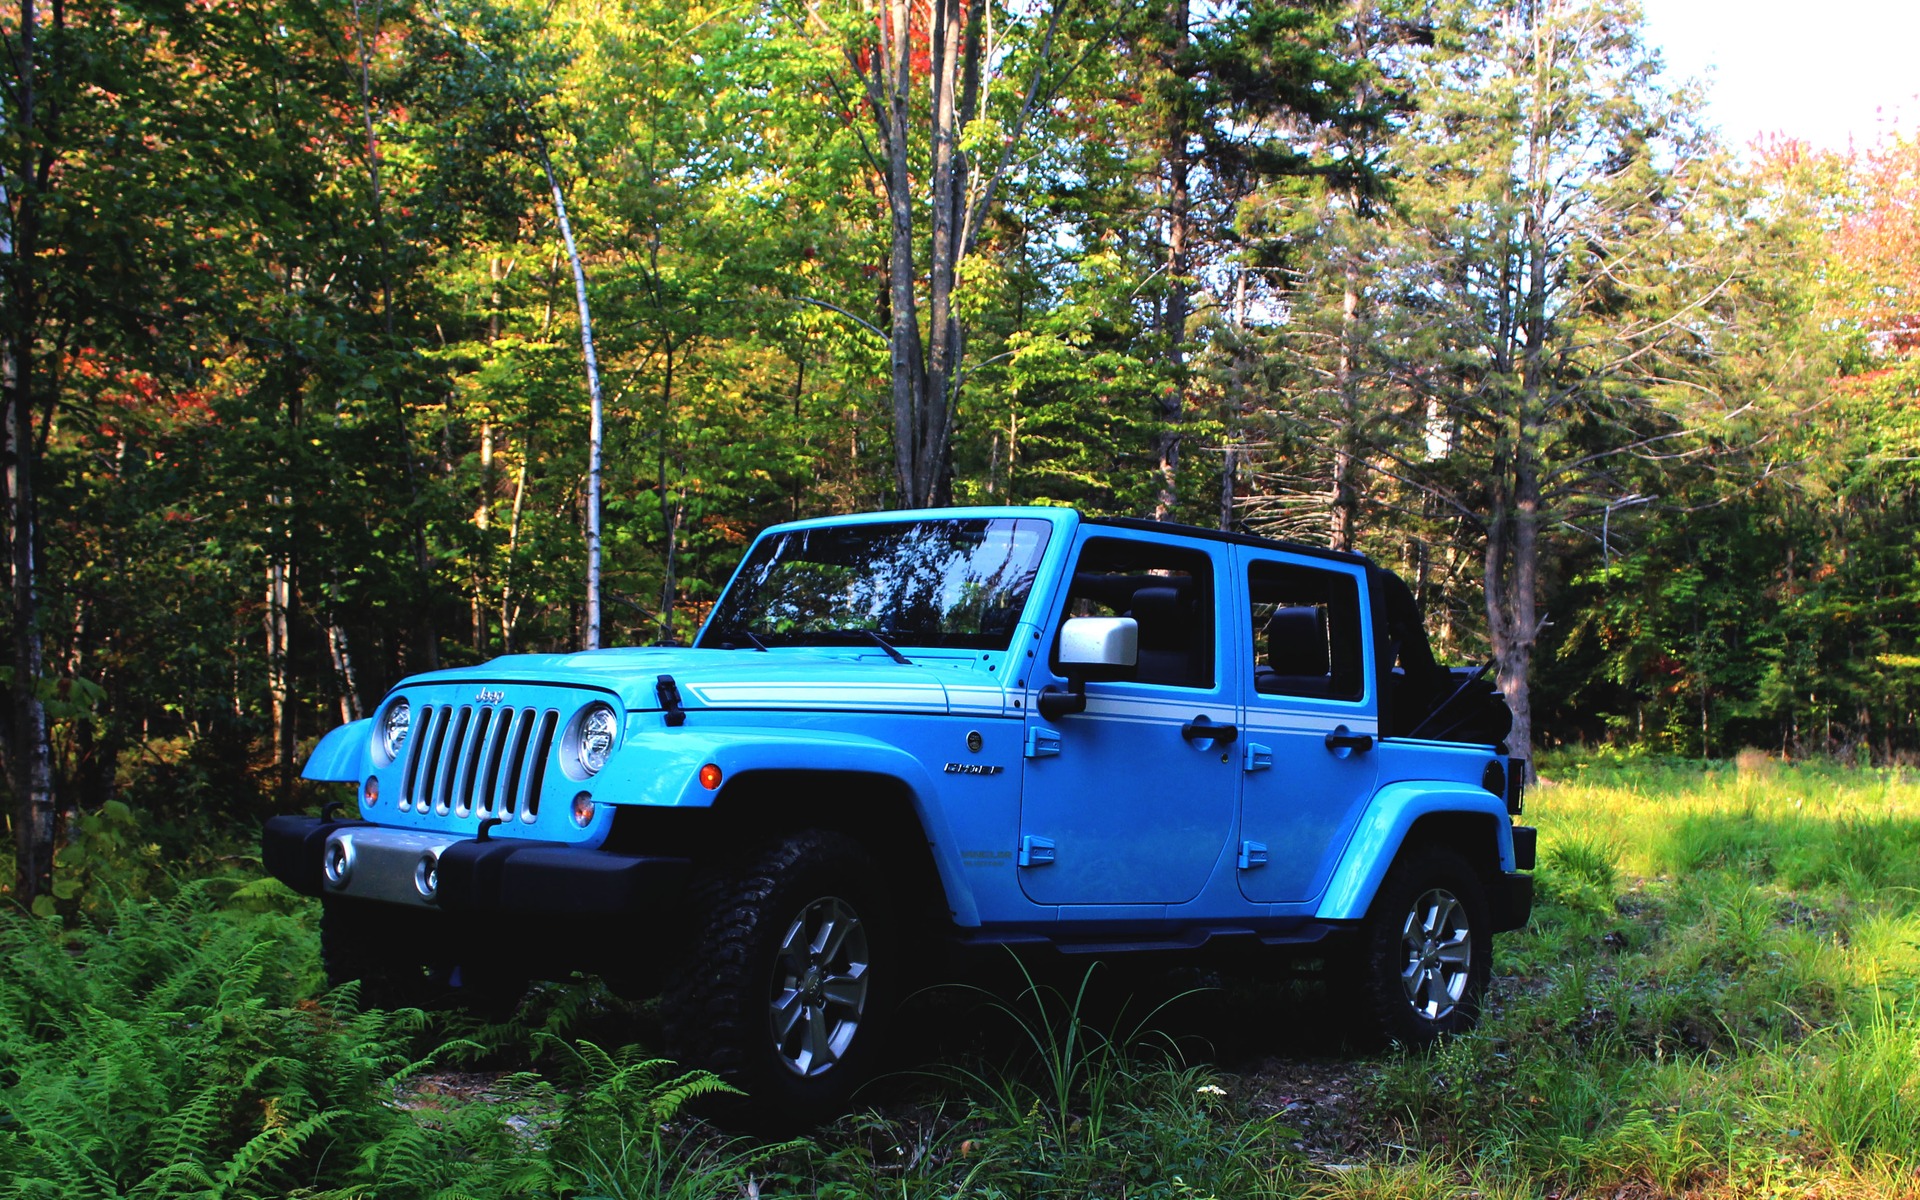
column 1426, row 947
column 791, row 978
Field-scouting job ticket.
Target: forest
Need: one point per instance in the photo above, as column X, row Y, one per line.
column 316, row 313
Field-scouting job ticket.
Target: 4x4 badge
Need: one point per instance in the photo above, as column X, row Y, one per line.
column 488, row 697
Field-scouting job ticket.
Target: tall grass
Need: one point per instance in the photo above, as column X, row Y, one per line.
column 1717, row 994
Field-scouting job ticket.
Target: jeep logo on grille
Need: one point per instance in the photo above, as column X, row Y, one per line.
column 487, row 697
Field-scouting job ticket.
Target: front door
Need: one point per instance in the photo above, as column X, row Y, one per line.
column 1131, row 801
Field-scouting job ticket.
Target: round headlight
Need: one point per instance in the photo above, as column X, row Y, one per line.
column 394, row 724
column 598, row 726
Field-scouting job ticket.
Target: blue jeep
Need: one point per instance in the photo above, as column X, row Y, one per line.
column 908, row 732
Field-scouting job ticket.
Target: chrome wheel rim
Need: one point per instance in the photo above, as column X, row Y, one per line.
column 1439, row 954
column 820, row 977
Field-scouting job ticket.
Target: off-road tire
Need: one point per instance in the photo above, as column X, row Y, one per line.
column 1403, row 977
column 719, row 1006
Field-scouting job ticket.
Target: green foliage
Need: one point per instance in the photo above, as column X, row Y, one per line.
column 172, row 1051
column 1082, row 1108
column 615, row 1135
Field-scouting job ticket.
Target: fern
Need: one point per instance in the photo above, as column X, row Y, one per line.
column 176, row 1049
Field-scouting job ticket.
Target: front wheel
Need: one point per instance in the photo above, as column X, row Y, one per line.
column 791, row 977
column 1426, row 948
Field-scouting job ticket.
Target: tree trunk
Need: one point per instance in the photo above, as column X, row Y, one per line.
column 1515, row 587
column 349, row 679
column 279, row 690
column 509, row 607
column 1344, row 519
column 1228, row 468
column 29, row 757
column 669, row 511
column 595, row 420
column 910, row 395
column 1173, row 401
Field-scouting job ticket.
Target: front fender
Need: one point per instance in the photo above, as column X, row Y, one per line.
column 341, row 754
column 1384, row 828
column 661, row 768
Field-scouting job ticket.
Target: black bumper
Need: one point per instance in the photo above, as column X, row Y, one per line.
column 1512, row 902
column 501, row 875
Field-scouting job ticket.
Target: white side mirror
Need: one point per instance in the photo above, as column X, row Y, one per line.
column 1099, row 642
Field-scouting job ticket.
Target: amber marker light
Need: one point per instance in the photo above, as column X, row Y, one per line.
column 370, row 795
column 710, row 777
column 583, row 809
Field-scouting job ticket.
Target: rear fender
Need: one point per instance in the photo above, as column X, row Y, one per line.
column 1383, row 830
column 661, row 768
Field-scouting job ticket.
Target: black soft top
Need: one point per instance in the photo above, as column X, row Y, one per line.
column 1221, row 535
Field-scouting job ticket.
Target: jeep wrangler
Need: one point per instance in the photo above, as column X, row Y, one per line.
column 907, row 734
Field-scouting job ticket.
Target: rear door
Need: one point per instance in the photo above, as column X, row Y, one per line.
column 1309, row 720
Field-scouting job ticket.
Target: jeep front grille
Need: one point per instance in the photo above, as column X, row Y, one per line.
column 478, row 761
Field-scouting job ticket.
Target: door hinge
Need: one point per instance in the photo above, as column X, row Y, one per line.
column 1035, row 851
column 1257, row 757
column 1042, row 743
column 1252, row 854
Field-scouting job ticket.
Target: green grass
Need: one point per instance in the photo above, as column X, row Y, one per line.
column 1719, row 996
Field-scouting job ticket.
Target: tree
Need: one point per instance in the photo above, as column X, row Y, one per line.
column 1566, row 305
column 972, row 56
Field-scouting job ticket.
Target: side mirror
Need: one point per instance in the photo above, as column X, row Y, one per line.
column 1091, row 648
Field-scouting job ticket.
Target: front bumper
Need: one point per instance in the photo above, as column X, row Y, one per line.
column 511, row 876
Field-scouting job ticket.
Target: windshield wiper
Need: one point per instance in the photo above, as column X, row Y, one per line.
column 893, row 654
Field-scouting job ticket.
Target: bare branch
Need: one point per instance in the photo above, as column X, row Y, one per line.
column 860, row 321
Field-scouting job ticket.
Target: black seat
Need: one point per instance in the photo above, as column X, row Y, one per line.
column 1168, row 632
column 1297, row 657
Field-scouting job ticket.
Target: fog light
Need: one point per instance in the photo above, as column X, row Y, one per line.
column 370, row 794
column 336, row 862
column 710, row 777
column 426, row 875
column 583, row 809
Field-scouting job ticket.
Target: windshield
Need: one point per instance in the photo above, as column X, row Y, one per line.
column 960, row 583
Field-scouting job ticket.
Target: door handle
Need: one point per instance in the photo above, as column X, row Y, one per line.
column 1340, row 739
column 1201, row 729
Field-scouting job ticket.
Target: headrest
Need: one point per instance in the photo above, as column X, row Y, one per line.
column 1297, row 641
column 1165, row 615
column 1161, row 604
